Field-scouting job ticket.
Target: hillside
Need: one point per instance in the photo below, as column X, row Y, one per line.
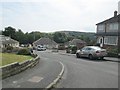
column 79, row 34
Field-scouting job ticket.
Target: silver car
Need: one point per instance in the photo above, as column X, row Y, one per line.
column 41, row 48
column 91, row 52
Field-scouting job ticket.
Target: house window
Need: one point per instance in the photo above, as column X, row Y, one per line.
column 111, row 40
column 101, row 27
column 113, row 26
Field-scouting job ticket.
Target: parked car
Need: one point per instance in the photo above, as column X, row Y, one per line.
column 41, row 48
column 91, row 52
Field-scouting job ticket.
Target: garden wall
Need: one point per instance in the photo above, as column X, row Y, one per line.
column 14, row 68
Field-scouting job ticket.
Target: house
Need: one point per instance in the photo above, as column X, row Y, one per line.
column 77, row 42
column 48, row 43
column 108, row 31
column 7, row 41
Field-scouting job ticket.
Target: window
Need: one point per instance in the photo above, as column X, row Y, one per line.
column 101, row 27
column 111, row 40
column 113, row 26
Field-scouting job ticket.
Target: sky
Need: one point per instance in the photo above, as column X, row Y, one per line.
column 55, row 15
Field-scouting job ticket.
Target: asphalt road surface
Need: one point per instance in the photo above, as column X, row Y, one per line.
column 85, row 73
column 79, row 72
column 39, row 76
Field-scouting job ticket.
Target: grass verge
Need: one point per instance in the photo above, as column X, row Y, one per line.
column 8, row 58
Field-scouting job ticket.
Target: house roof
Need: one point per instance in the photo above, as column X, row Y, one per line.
column 77, row 41
column 45, row 41
column 7, row 40
column 111, row 20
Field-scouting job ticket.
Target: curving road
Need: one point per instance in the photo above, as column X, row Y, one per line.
column 84, row 73
column 79, row 73
column 39, row 76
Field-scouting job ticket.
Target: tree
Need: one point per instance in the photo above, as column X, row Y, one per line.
column 59, row 37
column 10, row 31
column 20, row 36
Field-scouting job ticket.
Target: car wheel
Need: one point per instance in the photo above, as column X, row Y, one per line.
column 77, row 55
column 90, row 57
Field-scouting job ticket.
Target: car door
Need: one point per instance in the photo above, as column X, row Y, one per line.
column 87, row 51
column 83, row 51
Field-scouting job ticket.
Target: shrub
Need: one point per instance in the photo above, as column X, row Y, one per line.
column 34, row 55
column 112, row 52
column 61, row 47
column 15, row 50
column 74, row 49
column 24, row 51
column 68, row 49
column 9, row 49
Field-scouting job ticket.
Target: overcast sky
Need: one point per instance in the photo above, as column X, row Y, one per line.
column 55, row 15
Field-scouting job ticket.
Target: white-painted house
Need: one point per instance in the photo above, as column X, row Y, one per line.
column 7, row 41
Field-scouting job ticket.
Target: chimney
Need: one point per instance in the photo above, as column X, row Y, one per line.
column 115, row 13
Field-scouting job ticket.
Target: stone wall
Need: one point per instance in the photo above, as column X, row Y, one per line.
column 14, row 68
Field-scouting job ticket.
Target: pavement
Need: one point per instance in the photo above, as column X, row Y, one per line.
column 113, row 59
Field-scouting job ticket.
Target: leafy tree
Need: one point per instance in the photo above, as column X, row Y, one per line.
column 59, row 37
column 20, row 36
column 10, row 31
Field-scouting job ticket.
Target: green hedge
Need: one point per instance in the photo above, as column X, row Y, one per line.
column 113, row 52
column 24, row 51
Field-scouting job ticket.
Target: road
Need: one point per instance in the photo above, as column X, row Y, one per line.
column 85, row 73
column 39, row 76
column 79, row 72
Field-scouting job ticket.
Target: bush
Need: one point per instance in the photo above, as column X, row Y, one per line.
column 9, row 49
column 68, row 49
column 112, row 52
column 34, row 55
column 24, row 51
column 15, row 50
column 61, row 47
column 74, row 49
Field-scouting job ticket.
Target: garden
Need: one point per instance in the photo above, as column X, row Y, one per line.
column 11, row 55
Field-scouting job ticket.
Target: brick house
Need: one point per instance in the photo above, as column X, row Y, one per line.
column 108, row 32
column 77, row 42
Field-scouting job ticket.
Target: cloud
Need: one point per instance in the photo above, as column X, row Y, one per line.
column 53, row 15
